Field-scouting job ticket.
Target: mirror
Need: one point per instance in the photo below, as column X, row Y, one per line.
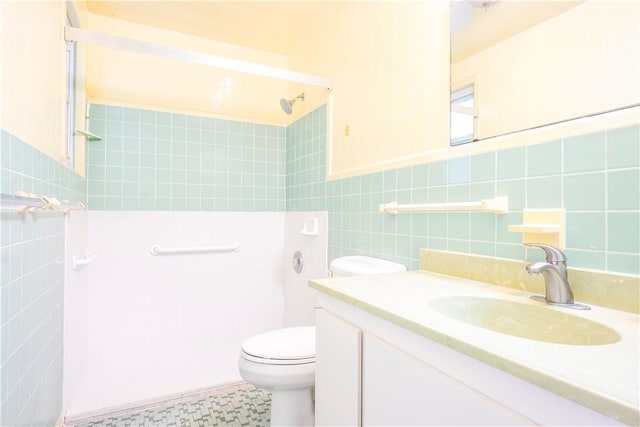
column 519, row 65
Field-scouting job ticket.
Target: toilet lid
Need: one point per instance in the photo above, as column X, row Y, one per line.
column 283, row 344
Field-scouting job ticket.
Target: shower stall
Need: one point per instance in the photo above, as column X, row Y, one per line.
column 152, row 322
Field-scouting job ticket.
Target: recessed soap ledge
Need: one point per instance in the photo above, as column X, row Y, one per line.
column 310, row 227
column 616, row 291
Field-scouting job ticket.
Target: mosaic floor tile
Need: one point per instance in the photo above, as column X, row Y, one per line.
column 242, row 406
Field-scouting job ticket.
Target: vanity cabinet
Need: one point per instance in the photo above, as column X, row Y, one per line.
column 400, row 389
column 373, row 372
column 339, row 350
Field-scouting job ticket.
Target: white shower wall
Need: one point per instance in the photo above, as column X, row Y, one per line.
column 300, row 299
column 160, row 325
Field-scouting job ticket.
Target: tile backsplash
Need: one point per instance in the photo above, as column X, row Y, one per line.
column 594, row 177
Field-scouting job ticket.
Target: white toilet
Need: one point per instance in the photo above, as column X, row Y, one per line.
column 282, row 361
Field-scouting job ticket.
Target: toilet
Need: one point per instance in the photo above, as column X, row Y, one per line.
column 282, row 361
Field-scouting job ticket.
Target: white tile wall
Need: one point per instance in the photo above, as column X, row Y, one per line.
column 299, row 297
column 159, row 325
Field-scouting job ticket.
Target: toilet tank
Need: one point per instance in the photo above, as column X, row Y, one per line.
column 360, row 265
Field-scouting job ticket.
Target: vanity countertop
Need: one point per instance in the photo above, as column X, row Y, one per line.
column 605, row 378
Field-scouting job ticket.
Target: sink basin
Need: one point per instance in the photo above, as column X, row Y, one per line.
column 531, row 321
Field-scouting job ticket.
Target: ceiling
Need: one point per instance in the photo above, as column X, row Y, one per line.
column 475, row 26
column 280, row 26
column 273, row 26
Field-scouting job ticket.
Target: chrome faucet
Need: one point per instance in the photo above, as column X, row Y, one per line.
column 554, row 270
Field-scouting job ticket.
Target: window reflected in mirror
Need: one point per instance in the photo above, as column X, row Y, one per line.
column 462, row 115
column 536, row 63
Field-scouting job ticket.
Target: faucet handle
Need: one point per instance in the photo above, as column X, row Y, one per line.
column 554, row 255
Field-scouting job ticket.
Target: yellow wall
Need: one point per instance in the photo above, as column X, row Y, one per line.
column 388, row 61
column 33, row 77
column 583, row 61
column 389, row 64
column 148, row 81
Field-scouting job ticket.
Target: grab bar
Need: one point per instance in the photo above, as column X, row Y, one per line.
column 497, row 205
column 157, row 250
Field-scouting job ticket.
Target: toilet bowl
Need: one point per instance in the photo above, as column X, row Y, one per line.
column 282, row 361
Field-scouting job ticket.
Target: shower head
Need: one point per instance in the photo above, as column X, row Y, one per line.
column 287, row 104
column 485, row 4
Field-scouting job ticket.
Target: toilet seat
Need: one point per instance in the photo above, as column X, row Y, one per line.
column 288, row 346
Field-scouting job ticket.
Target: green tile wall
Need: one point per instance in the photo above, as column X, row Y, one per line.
column 595, row 177
column 32, row 286
column 167, row 161
column 152, row 160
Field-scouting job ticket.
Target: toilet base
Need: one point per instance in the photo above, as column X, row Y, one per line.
column 292, row 407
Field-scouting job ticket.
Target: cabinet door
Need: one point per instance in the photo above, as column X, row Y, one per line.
column 398, row 389
column 338, row 354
